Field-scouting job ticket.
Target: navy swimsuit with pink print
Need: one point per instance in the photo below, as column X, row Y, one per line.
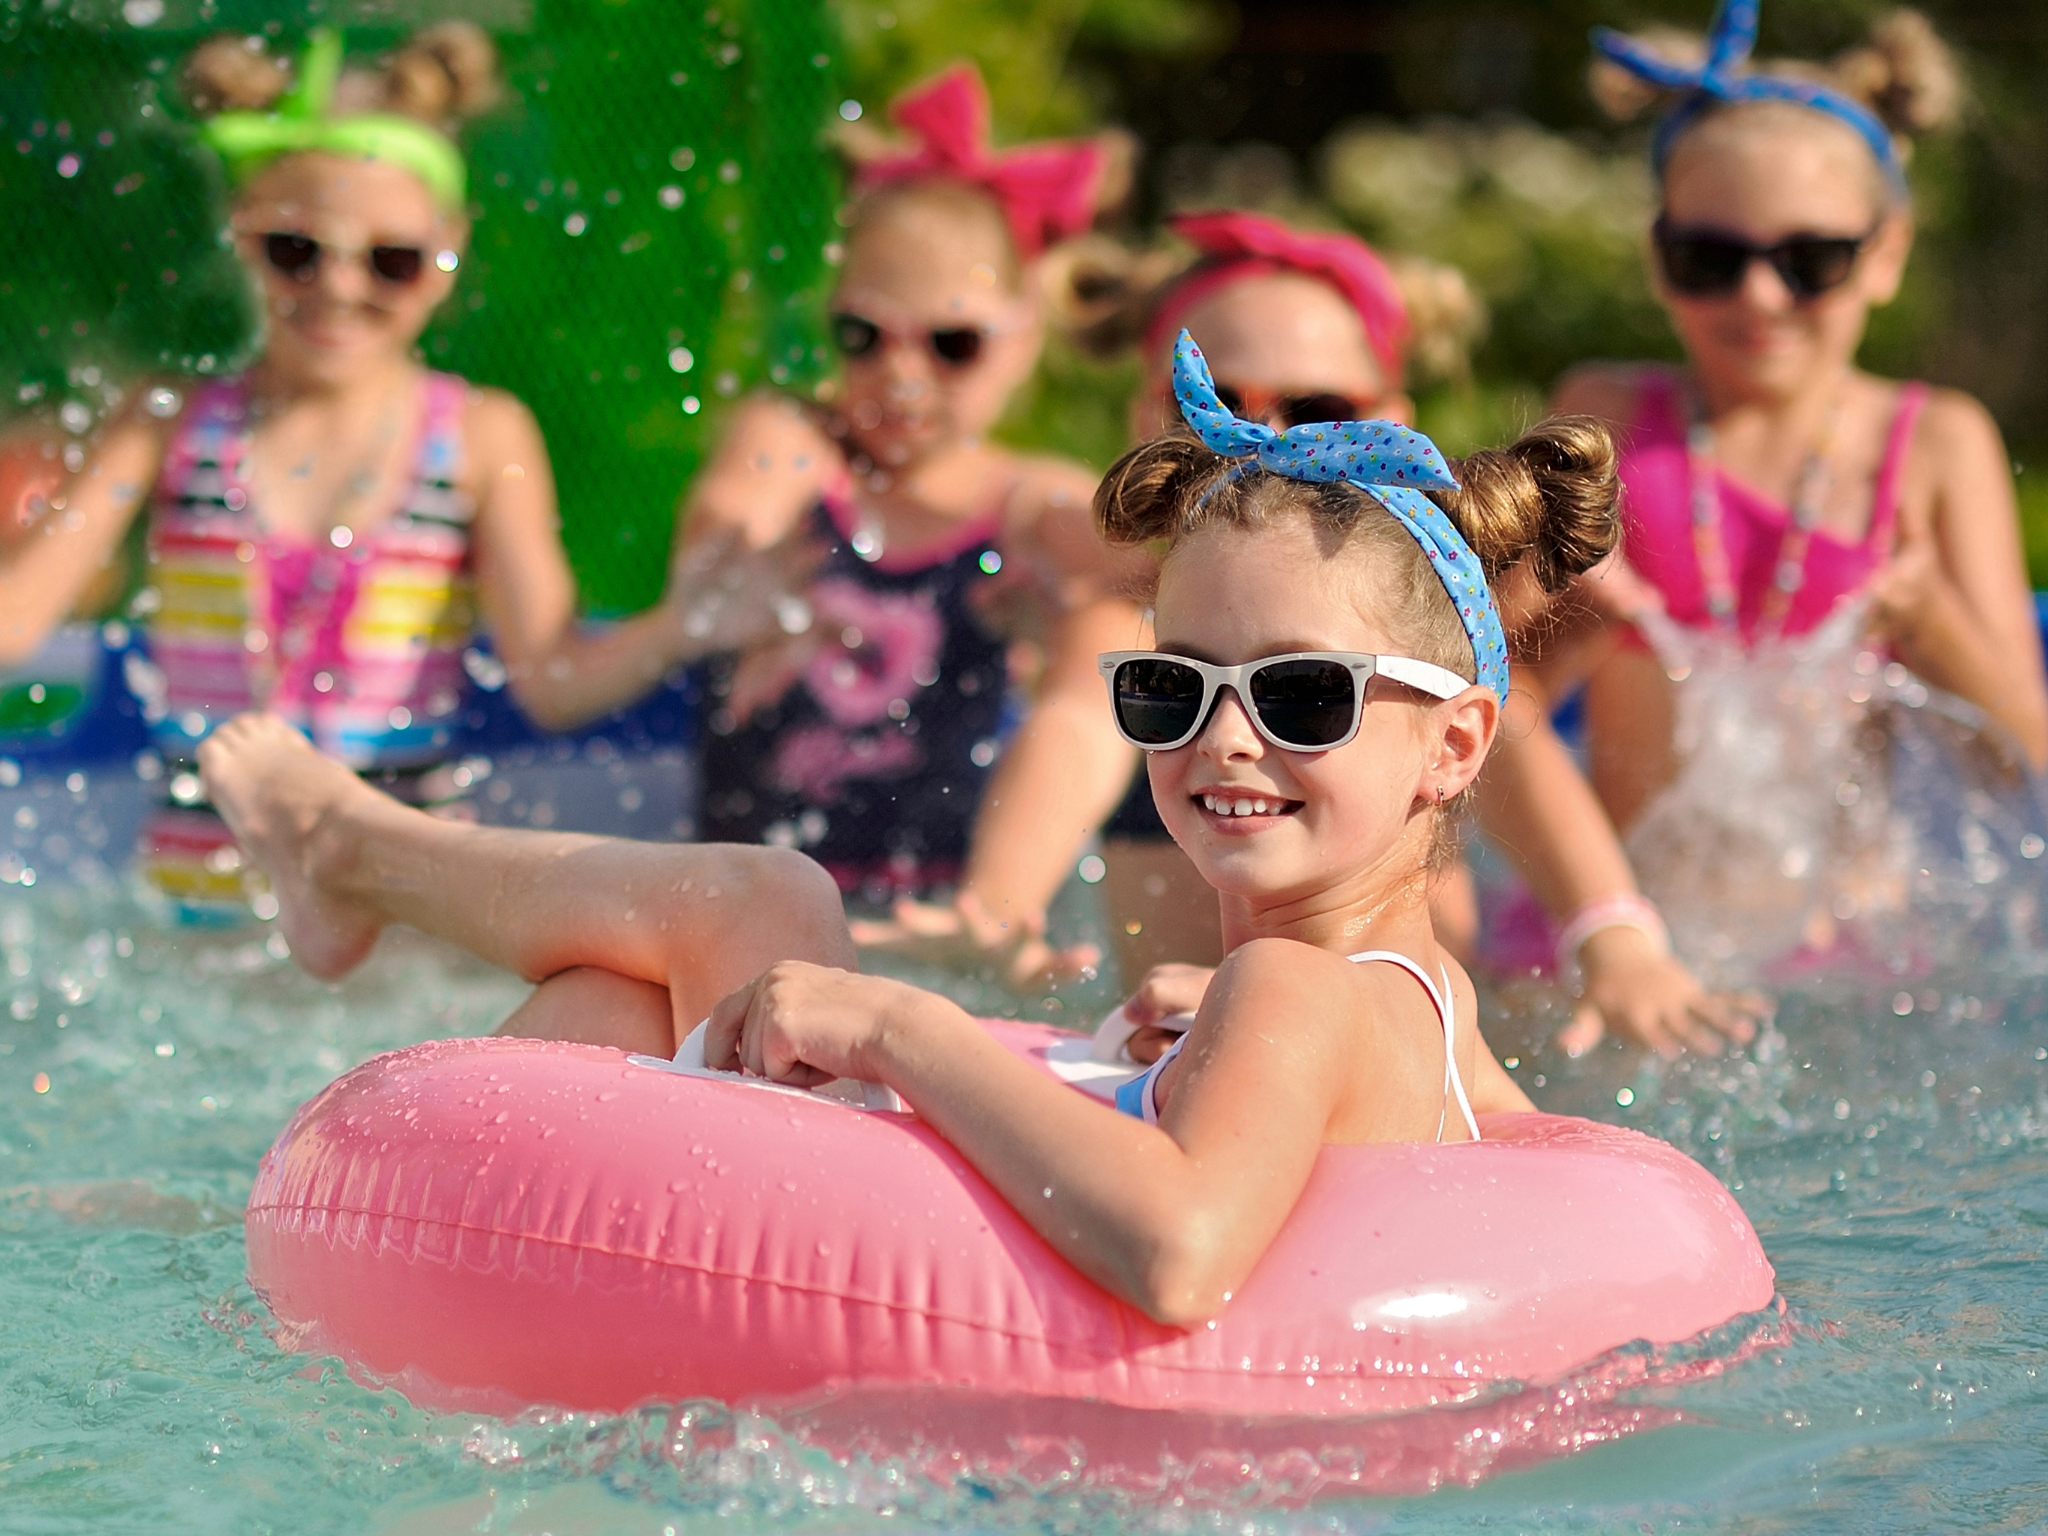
column 873, row 757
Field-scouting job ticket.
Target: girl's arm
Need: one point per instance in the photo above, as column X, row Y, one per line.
column 1535, row 803
column 565, row 673
column 46, row 569
column 1066, row 768
column 1170, row 1218
column 1955, row 600
column 1537, row 806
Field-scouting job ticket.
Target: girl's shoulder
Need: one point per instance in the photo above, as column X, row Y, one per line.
column 498, row 429
column 770, row 416
column 1047, row 509
column 1954, row 454
column 1306, row 980
column 1611, row 391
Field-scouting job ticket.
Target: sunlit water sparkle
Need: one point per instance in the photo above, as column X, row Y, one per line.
column 1896, row 1165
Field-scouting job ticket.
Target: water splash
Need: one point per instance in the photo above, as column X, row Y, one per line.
column 1831, row 809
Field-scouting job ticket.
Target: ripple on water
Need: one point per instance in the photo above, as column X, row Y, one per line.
column 1896, row 1167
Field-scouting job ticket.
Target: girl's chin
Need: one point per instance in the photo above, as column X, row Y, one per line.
column 338, row 348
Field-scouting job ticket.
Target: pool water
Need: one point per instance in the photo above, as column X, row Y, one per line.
column 1889, row 1139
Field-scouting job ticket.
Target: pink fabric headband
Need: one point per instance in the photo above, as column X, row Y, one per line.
column 1236, row 246
column 1047, row 191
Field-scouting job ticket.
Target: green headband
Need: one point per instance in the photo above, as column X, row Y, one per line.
column 248, row 141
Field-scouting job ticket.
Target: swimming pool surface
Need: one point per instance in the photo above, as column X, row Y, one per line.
column 1889, row 1139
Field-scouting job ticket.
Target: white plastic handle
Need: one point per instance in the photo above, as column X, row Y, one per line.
column 1114, row 1033
column 688, row 1061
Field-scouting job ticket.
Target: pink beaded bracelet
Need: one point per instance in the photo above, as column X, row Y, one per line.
column 1627, row 911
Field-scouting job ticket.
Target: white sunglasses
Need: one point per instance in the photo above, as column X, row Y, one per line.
column 1305, row 701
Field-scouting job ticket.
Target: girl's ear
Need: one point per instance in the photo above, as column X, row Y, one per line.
column 1884, row 260
column 1467, row 727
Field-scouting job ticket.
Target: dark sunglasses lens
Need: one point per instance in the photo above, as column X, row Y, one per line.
column 1158, row 700
column 1698, row 265
column 855, row 337
column 1812, row 267
column 293, row 255
column 1305, row 703
column 957, row 345
column 398, row 264
column 1300, row 410
column 1233, row 401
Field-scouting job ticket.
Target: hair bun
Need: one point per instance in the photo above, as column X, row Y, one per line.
column 1906, row 74
column 1550, row 500
column 1624, row 96
column 231, row 73
column 1446, row 319
column 444, row 74
column 1100, row 293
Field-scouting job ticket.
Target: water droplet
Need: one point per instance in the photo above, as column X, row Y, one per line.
column 575, row 224
column 1092, row 869
column 1625, row 1097
column 850, row 111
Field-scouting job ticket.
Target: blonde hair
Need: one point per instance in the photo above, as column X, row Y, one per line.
column 1903, row 73
column 442, row 75
column 1102, row 295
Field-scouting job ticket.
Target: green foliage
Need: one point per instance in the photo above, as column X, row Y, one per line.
column 654, row 184
column 1073, row 405
column 1022, row 46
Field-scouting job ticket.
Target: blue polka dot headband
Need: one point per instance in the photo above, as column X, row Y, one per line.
column 1391, row 463
column 1725, row 78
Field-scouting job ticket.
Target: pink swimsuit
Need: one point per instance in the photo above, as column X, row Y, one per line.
column 1656, row 476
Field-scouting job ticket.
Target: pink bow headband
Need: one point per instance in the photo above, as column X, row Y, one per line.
column 1236, row 246
column 1047, row 191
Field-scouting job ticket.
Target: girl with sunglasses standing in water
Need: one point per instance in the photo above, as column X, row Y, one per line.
column 1784, row 511
column 872, row 733
column 1327, row 687
column 324, row 526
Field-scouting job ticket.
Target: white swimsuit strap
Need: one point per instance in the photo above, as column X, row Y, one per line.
column 1446, row 1011
column 1148, row 1099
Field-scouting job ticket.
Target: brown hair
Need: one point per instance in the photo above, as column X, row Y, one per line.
column 952, row 200
column 442, row 75
column 1102, row 294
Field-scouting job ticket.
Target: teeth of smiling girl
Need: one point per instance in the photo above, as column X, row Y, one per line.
column 1218, row 806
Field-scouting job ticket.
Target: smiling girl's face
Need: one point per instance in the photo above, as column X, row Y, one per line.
column 1336, row 824
column 337, row 317
column 1763, row 174
column 932, row 285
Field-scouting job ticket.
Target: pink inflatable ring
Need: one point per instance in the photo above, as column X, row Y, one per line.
column 496, row 1224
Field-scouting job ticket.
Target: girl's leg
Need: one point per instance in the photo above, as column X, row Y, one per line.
column 346, row 860
column 598, row 1007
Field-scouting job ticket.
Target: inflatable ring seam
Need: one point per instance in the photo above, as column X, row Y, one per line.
column 838, row 1293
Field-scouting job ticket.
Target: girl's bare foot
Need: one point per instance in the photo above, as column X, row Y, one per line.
column 287, row 806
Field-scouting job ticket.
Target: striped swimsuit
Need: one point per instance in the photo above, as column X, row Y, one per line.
column 356, row 640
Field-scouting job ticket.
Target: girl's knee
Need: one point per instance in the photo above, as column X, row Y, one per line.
column 755, row 905
column 800, row 903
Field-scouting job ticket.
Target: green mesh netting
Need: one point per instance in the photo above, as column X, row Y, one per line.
column 653, row 195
